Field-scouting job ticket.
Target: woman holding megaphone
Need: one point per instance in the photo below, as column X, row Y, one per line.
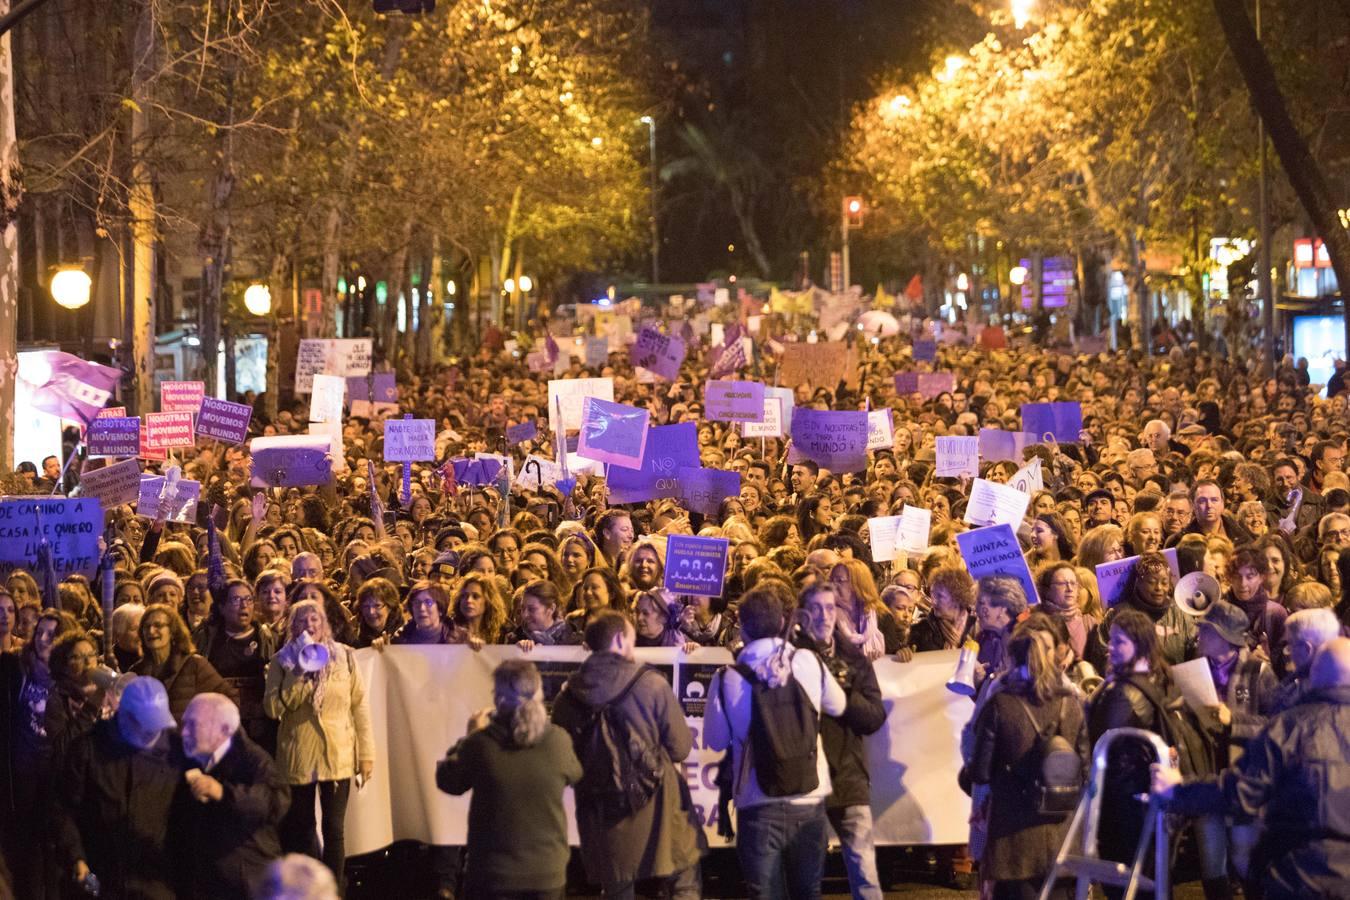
column 315, row 689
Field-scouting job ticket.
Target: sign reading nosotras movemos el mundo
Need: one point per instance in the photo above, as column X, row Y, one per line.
column 119, row 436
column 224, row 420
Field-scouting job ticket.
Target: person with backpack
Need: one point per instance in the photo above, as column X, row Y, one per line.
column 849, row 806
column 634, row 813
column 766, row 710
column 1030, row 750
column 1133, row 697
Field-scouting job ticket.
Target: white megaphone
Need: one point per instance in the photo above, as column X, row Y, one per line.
column 313, row 656
column 1197, row 592
column 963, row 679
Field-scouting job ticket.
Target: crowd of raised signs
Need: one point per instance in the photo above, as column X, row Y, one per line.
column 956, row 489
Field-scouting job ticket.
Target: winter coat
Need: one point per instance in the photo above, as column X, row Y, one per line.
column 1234, row 530
column 185, row 675
column 1021, row 843
column 1298, row 772
column 842, row 736
column 665, row 836
column 517, row 825
column 1176, row 634
column 232, row 840
column 115, row 808
column 325, row 718
column 926, row 634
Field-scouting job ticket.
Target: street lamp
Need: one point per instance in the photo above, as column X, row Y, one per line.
column 70, row 288
column 258, row 299
column 1018, row 275
column 652, row 189
column 1021, row 12
column 526, row 284
column 509, row 285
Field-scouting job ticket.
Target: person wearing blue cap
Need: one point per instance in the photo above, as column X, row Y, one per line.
column 116, row 795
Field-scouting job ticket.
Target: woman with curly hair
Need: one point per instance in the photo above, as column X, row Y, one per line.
column 1282, row 566
column 545, row 559
column 428, row 606
column 479, row 614
column 951, row 622
column 379, row 612
column 597, row 589
column 167, row 653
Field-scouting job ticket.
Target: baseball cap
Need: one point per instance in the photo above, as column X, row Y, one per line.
column 1229, row 621
column 146, row 702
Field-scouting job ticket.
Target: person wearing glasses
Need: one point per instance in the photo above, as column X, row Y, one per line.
column 240, row 647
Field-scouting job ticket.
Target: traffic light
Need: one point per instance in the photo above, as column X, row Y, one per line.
column 853, row 212
column 410, row 7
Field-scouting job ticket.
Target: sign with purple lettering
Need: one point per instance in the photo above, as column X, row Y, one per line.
column 734, row 401
column 181, row 396
column 410, row 440
column 114, row 437
column 519, row 434
column 997, row 445
column 933, row 383
column 612, row 432
column 906, row 383
column 925, row 351
column 994, row 551
column 658, row 353
column 223, row 420
column 703, row 490
column 669, row 449
column 1062, row 421
column 696, row 565
column 835, row 440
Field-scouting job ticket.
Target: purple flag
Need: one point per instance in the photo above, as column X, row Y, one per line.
column 550, row 349
column 476, row 472
column 906, row 382
column 76, row 389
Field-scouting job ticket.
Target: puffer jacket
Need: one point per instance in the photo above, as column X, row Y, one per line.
column 325, row 718
column 1298, row 771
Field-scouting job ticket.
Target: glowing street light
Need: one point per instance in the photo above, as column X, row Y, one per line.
column 1018, row 275
column 509, row 285
column 950, row 67
column 1021, row 12
column 526, row 284
column 258, row 299
column 963, row 282
column 70, row 288
column 450, row 287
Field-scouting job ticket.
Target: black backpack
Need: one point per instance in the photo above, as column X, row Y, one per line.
column 784, row 728
column 1195, row 750
column 622, row 771
column 1059, row 778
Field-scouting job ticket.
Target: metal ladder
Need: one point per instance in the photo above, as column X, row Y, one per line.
column 1088, row 867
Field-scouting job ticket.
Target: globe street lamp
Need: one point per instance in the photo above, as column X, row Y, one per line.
column 70, row 288
column 258, row 299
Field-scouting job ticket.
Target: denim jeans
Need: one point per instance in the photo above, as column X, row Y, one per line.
column 853, row 825
column 781, row 847
column 686, row 884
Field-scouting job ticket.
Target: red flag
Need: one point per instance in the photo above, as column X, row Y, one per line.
column 914, row 290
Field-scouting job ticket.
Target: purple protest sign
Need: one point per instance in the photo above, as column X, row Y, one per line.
column 223, row 420
column 1062, row 421
column 114, row 437
column 291, row 460
column 925, row 351
column 658, row 353
column 669, row 449
column 696, row 565
column 734, row 401
column 906, row 383
column 703, row 490
column 835, row 440
column 386, row 390
column 997, row 445
column 612, row 433
column 933, row 383
column 519, row 434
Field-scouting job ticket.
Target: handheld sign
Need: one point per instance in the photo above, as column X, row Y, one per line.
column 565, row 396
column 1062, row 421
column 113, row 485
column 223, row 420
column 994, row 551
column 181, row 396
column 71, row 527
column 386, row 390
column 1113, row 577
column 883, row 533
column 696, row 565
column 703, row 490
column 1029, row 479
column 669, row 449
column 332, row 356
column 957, row 456
column 992, row 503
column 916, row 524
column 152, row 503
column 933, row 384
column 167, row 430
column 835, row 440
column 114, row 436
column 1000, row 446
column 291, row 460
column 880, row 429
column 658, row 353
column 925, row 351
column 734, row 401
column 906, row 383
column 613, row 433
column 409, row 440
column 519, row 434
column 771, row 425
column 326, row 400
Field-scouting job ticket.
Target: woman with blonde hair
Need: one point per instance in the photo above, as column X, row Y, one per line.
column 1089, row 593
column 324, row 737
column 167, row 653
column 645, row 567
column 860, row 608
column 479, row 613
column 517, row 764
column 1103, row 544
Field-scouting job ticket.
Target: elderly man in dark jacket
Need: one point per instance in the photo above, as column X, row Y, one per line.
column 663, row 838
column 1296, row 771
column 116, row 795
column 237, row 799
column 849, row 805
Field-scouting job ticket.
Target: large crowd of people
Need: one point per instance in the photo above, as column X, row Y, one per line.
column 219, row 720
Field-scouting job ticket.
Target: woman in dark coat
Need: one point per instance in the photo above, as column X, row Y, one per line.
column 1034, row 703
column 168, row 654
column 517, row 764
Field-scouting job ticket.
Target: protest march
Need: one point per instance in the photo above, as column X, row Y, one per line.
column 733, row 597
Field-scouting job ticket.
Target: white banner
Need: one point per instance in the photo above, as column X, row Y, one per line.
column 421, row 697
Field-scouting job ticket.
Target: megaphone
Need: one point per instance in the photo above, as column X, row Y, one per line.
column 313, row 656
column 963, row 679
column 1197, row 592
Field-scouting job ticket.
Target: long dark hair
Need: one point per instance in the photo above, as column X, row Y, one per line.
column 1143, row 633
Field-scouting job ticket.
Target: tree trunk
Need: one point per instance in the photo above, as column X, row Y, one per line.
column 142, row 212
column 214, row 246
column 433, row 315
column 1305, row 176
column 400, row 290
column 11, row 191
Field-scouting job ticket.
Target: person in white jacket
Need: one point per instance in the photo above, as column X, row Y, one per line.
column 781, row 837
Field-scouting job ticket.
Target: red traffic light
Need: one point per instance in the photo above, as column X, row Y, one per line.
column 854, row 207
